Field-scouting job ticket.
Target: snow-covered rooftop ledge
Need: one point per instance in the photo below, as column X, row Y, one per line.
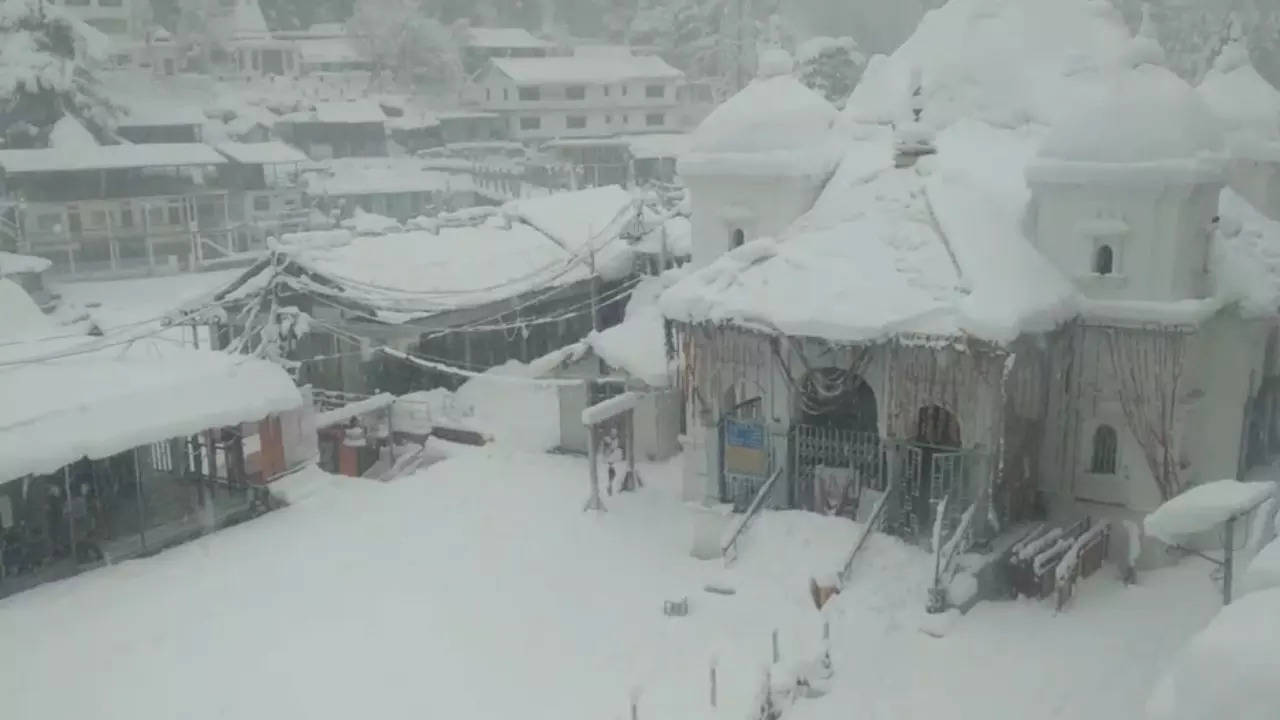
column 1247, row 147
column 1178, row 312
column 1203, row 169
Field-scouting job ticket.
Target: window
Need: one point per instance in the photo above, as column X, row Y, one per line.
column 155, row 215
column 261, row 203
column 737, row 238
column 175, row 215
column 626, row 119
column 608, row 119
column 606, row 91
column 575, row 92
column 530, row 123
column 530, row 93
column 1104, row 260
column 506, row 94
column 655, row 91
column 1103, row 461
column 576, row 122
column 655, row 119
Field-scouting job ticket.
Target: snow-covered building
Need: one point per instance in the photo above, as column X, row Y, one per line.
column 579, row 95
column 471, row 290
column 1009, row 274
column 337, row 129
column 106, row 452
column 141, row 208
column 482, row 44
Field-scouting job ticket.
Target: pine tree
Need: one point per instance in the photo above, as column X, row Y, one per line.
column 830, row 67
column 46, row 57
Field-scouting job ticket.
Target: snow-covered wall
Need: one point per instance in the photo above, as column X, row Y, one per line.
column 1158, row 236
column 758, row 206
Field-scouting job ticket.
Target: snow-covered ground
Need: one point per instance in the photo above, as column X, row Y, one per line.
column 479, row 589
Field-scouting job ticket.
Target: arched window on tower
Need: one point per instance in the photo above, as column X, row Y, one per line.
column 737, row 238
column 1103, row 461
column 1104, row 259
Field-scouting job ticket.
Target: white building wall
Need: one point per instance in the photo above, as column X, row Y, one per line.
column 758, row 206
column 604, row 109
column 1159, row 235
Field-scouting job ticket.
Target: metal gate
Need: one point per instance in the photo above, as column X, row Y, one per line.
column 929, row 475
column 813, row 446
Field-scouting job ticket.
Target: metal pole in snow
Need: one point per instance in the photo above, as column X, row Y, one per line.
column 137, row 476
column 713, row 682
column 775, row 646
column 1228, row 559
column 71, row 515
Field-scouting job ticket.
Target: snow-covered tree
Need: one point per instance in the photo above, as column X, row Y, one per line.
column 402, row 40
column 46, row 58
column 830, row 66
column 1192, row 32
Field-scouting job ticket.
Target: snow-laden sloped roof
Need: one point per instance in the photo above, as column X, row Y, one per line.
column 109, row 157
column 1247, row 104
column 418, row 273
column 94, row 397
column 775, row 125
column 1143, row 117
column 501, row 38
column 887, row 251
column 659, row 145
column 585, row 70
column 582, row 220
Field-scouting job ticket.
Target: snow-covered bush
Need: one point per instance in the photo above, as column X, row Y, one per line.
column 830, row 67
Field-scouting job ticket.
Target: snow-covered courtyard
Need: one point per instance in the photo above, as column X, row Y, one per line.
column 478, row 588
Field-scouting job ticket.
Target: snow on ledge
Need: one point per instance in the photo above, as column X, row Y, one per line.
column 1205, row 507
column 612, row 407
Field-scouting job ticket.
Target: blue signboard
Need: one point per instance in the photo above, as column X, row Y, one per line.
column 744, row 435
column 744, row 450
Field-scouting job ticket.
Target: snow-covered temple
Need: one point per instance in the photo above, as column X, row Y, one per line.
column 1027, row 270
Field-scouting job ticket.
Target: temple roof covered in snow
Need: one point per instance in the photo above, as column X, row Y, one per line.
column 1144, row 117
column 939, row 248
column 69, row 398
column 775, row 125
